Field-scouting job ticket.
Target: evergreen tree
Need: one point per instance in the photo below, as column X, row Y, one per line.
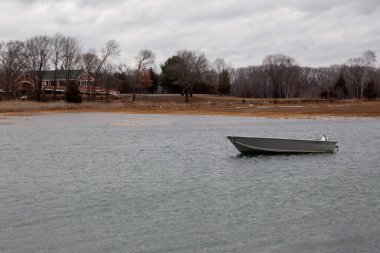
column 370, row 90
column 73, row 93
column 224, row 84
column 340, row 88
column 155, row 81
column 168, row 79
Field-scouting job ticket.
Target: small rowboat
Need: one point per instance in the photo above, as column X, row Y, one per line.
column 257, row 145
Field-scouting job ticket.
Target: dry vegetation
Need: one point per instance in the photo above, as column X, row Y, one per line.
column 205, row 104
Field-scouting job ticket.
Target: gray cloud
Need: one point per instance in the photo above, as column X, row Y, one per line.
column 243, row 32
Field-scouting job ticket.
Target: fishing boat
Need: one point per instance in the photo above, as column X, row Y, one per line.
column 257, row 145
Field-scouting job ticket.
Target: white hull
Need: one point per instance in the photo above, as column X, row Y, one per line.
column 254, row 145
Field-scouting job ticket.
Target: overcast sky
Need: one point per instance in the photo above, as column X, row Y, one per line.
column 315, row 33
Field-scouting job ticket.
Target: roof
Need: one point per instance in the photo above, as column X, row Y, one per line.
column 61, row 74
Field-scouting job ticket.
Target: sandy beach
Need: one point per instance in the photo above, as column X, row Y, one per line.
column 204, row 105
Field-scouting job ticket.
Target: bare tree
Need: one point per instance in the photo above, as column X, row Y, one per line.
column 252, row 74
column 359, row 69
column 309, row 82
column 291, row 81
column 108, row 79
column 90, row 62
column 38, row 52
column 222, row 70
column 260, row 86
column 1, row 72
column 241, row 81
column 279, row 69
column 220, row 65
column 71, row 56
column 144, row 59
column 125, row 76
column 56, row 59
column 189, row 69
column 11, row 64
column 108, row 52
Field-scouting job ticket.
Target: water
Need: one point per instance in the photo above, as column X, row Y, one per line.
column 156, row 183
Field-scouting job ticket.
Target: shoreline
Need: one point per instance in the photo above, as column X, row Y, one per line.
column 205, row 105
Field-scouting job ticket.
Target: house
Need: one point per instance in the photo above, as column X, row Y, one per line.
column 56, row 80
column 25, row 85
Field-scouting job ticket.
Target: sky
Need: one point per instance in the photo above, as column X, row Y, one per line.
column 243, row 32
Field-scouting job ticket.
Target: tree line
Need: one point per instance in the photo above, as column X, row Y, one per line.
column 185, row 73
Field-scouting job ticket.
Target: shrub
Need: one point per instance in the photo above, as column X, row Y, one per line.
column 73, row 93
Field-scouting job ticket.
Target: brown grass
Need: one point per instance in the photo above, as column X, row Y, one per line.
column 205, row 104
column 32, row 106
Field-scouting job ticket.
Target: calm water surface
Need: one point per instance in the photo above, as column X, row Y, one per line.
column 159, row 183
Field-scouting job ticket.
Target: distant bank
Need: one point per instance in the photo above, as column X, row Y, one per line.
column 204, row 105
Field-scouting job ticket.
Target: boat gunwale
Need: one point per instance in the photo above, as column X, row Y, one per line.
column 284, row 139
column 278, row 150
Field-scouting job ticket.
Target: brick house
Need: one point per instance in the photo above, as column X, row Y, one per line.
column 57, row 80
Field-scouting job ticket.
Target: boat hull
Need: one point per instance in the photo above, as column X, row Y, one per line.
column 257, row 145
